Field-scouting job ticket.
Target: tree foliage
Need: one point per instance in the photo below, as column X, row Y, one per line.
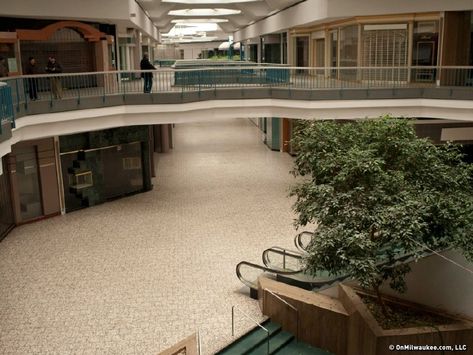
column 374, row 188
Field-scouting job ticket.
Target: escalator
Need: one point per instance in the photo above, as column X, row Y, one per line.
column 251, row 282
column 289, row 270
column 285, row 266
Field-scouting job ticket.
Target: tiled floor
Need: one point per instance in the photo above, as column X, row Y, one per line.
column 136, row 275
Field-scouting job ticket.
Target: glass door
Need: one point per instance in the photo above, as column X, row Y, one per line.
column 424, row 51
column 6, row 209
column 302, row 52
column 29, row 189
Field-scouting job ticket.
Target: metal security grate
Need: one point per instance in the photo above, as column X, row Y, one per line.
column 385, row 48
column 71, row 50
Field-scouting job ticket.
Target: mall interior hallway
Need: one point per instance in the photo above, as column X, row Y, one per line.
column 136, row 275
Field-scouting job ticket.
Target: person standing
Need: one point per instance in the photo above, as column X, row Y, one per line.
column 148, row 77
column 3, row 68
column 53, row 67
column 32, row 83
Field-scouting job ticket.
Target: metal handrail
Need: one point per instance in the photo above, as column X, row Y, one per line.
column 298, row 240
column 281, row 251
column 256, row 322
column 290, row 306
column 103, row 84
column 260, row 267
column 6, row 105
column 260, row 67
column 199, row 342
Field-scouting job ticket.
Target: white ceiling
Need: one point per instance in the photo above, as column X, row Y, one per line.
column 249, row 11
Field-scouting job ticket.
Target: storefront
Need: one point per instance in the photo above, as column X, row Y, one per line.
column 392, row 41
column 7, row 220
column 34, row 180
column 104, row 165
column 77, row 46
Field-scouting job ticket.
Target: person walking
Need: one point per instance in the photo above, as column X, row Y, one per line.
column 53, row 67
column 3, row 68
column 148, row 77
column 32, row 83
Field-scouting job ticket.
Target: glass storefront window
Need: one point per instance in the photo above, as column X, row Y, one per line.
column 96, row 175
column 6, row 209
column 27, row 176
column 302, row 51
column 425, row 43
column 284, row 48
column 348, row 51
column 7, row 52
column 349, row 46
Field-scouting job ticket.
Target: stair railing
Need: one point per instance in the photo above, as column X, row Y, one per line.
column 290, row 306
column 199, row 343
column 250, row 318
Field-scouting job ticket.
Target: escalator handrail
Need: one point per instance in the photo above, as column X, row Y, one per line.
column 298, row 241
column 281, row 251
column 250, row 284
column 399, row 259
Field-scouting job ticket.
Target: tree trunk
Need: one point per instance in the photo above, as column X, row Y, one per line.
column 381, row 302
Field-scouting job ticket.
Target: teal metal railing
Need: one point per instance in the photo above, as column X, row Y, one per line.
column 28, row 90
column 6, row 105
column 235, row 308
column 164, row 62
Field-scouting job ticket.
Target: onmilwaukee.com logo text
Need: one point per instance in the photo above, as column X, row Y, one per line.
column 410, row 347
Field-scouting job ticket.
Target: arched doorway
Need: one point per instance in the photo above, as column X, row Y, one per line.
column 75, row 45
column 72, row 51
column 75, row 53
column 78, row 47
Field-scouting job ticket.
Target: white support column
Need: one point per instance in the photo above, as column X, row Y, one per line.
column 291, row 50
column 410, row 45
column 281, row 52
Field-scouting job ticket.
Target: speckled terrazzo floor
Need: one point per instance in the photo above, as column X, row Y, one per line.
column 137, row 275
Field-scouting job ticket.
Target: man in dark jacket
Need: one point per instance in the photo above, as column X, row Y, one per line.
column 32, row 83
column 148, row 77
column 3, row 68
column 54, row 67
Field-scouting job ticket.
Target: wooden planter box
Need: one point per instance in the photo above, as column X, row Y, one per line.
column 188, row 346
column 365, row 336
column 320, row 321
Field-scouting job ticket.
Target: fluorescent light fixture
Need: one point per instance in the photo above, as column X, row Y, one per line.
column 204, row 12
column 207, row 2
column 191, row 28
column 200, row 20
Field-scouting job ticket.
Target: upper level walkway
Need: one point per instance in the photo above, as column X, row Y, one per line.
column 109, row 99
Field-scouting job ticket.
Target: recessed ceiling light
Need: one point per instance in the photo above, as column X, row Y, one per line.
column 204, row 12
column 200, row 20
column 208, row 1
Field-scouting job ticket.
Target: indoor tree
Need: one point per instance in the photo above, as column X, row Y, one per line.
column 376, row 191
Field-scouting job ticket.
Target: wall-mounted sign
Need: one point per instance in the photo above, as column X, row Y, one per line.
column 12, row 65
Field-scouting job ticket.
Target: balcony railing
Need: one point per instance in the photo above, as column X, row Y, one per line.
column 122, row 84
column 6, row 105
